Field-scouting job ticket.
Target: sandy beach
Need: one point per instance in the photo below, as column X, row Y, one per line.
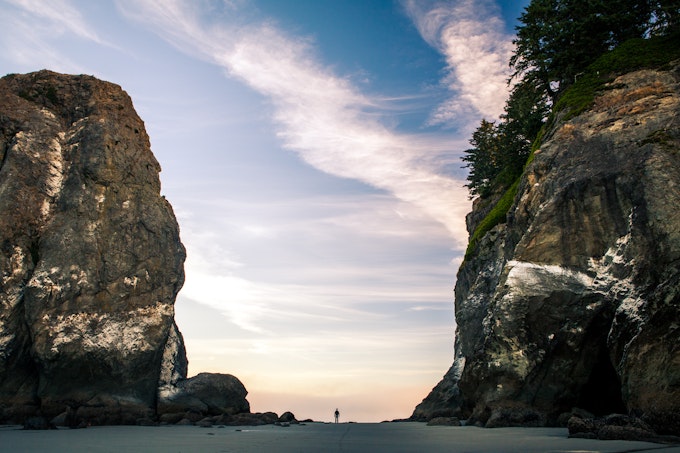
column 312, row 437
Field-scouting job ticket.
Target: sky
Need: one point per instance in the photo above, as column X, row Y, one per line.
column 311, row 152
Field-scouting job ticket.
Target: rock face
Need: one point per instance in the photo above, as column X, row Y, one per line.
column 575, row 301
column 205, row 393
column 90, row 256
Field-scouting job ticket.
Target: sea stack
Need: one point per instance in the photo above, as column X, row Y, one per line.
column 90, row 257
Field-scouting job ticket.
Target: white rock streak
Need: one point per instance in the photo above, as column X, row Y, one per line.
column 125, row 332
column 616, row 287
column 531, row 278
column 609, row 276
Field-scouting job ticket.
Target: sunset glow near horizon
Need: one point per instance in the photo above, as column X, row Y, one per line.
column 311, row 153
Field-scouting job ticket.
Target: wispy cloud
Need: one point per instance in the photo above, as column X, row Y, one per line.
column 62, row 16
column 30, row 28
column 469, row 34
column 319, row 115
column 299, row 273
column 333, row 126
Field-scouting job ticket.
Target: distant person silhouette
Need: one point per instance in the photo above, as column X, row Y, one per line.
column 337, row 415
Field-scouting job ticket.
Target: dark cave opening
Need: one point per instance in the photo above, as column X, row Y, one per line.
column 601, row 394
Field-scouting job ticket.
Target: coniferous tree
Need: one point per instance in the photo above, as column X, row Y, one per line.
column 525, row 113
column 500, row 150
column 483, row 159
column 558, row 39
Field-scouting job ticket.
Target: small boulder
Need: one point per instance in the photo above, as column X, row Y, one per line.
column 205, row 423
column 147, row 422
column 249, row 419
column 583, row 427
column 287, row 417
column 444, row 421
column 664, row 422
column 612, row 427
column 617, row 432
column 563, row 418
column 171, row 418
column 38, row 423
column 519, row 416
column 193, row 416
column 62, row 419
column 205, row 393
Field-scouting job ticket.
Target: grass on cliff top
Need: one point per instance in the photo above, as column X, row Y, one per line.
column 499, row 213
column 495, row 217
column 630, row 56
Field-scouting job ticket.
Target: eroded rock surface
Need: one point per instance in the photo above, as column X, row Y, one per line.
column 575, row 301
column 205, row 394
column 90, row 257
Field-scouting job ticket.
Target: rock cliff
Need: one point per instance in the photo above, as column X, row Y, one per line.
column 574, row 302
column 90, row 256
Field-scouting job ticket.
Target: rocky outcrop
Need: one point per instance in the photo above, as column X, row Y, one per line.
column 575, row 301
column 611, row 427
column 444, row 421
column 206, row 394
column 90, row 257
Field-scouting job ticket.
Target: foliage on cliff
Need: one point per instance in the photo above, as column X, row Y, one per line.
column 553, row 78
column 500, row 150
column 634, row 54
column 558, row 39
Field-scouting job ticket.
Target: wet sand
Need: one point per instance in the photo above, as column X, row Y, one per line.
column 312, row 437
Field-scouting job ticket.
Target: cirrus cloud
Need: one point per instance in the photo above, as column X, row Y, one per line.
column 319, row 115
column 469, row 35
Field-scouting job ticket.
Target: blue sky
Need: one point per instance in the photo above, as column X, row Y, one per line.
column 311, row 151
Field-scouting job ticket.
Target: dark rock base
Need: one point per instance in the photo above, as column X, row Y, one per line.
column 616, row 427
